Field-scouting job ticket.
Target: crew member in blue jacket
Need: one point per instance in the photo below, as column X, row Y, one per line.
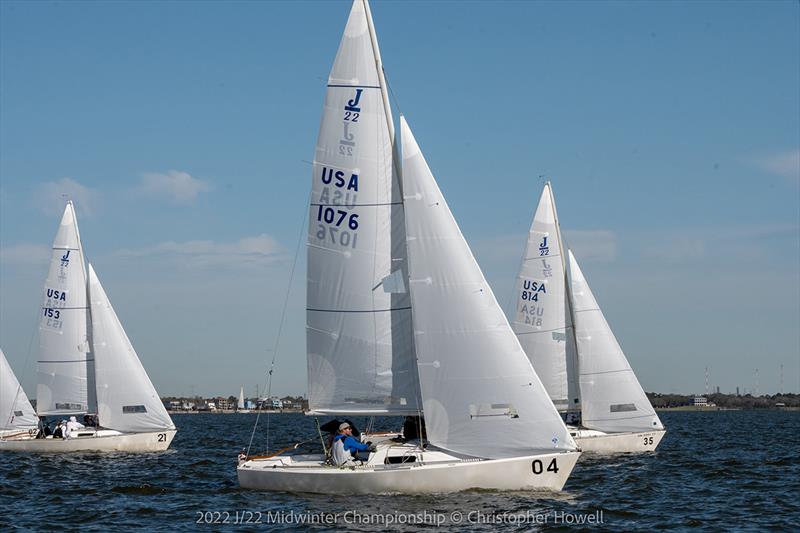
column 346, row 447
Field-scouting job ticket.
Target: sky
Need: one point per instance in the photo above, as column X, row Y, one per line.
column 184, row 131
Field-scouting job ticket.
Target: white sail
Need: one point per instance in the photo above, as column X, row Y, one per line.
column 240, row 405
column 65, row 380
column 480, row 394
column 126, row 399
column 359, row 336
column 16, row 412
column 542, row 320
column 612, row 399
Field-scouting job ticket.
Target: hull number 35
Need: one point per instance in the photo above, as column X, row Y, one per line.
column 538, row 467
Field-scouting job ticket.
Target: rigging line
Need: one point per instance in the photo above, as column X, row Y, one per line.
column 280, row 329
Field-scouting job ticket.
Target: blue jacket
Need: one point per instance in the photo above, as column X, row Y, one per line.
column 351, row 444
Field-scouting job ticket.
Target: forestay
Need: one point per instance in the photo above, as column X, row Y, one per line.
column 612, row 398
column 542, row 319
column 65, row 377
column 360, row 350
column 481, row 396
column 16, row 412
column 126, row 399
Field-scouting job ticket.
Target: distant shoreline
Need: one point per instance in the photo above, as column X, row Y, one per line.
column 234, row 412
column 709, row 409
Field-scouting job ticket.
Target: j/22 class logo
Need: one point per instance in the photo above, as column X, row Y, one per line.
column 544, row 249
column 352, row 111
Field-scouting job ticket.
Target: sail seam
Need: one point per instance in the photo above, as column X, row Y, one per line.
column 605, row 372
column 355, row 86
column 542, row 331
column 615, row 419
column 359, row 311
column 357, row 205
column 65, row 248
column 67, row 361
column 63, row 308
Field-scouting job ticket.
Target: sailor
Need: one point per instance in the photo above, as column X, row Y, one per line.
column 346, row 447
column 58, row 433
column 72, row 425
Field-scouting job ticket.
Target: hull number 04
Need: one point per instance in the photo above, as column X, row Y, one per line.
column 537, row 466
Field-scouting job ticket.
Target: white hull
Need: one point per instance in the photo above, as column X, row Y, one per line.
column 590, row 440
column 105, row 441
column 309, row 474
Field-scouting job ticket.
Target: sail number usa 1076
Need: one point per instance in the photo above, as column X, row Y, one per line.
column 335, row 220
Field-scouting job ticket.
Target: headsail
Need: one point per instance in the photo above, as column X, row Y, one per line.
column 126, row 399
column 16, row 412
column 359, row 336
column 65, row 372
column 543, row 321
column 480, row 394
column 611, row 396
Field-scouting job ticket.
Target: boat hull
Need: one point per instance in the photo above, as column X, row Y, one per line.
column 518, row 473
column 156, row 441
column 599, row 442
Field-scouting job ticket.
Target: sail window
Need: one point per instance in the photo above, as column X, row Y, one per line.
column 131, row 409
column 494, row 409
column 17, row 413
column 69, row 407
column 622, row 407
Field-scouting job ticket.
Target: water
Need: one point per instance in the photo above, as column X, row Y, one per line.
column 736, row 470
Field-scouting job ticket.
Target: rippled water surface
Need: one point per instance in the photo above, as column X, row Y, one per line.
column 734, row 470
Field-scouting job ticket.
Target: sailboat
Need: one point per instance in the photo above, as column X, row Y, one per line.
column 571, row 346
column 17, row 417
column 400, row 319
column 240, row 406
column 87, row 364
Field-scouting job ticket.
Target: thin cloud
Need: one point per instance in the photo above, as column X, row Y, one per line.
column 592, row 245
column 785, row 164
column 51, row 196
column 179, row 186
column 25, row 254
column 249, row 251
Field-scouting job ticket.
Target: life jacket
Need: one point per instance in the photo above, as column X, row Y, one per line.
column 340, row 455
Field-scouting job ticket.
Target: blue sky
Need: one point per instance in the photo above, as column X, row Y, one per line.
column 184, row 133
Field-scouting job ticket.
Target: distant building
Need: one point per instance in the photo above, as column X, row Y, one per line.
column 700, row 401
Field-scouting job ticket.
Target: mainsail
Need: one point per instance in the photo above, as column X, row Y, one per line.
column 480, row 394
column 126, row 398
column 612, row 398
column 543, row 321
column 16, row 412
column 65, row 372
column 359, row 336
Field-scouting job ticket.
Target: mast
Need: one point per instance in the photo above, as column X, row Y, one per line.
column 397, row 167
column 574, row 364
column 91, row 381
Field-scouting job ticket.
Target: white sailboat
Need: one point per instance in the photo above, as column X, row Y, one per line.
column 571, row 346
column 240, row 406
column 17, row 417
column 400, row 319
column 88, row 365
